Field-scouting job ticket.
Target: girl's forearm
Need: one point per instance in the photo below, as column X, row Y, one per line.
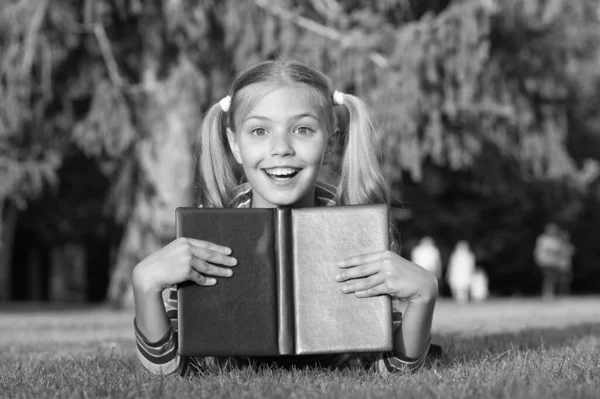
column 150, row 314
column 411, row 339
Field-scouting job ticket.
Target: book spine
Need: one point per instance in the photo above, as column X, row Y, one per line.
column 283, row 247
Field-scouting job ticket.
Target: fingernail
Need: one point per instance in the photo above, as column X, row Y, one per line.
column 227, row 250
column 345, row 288
column 340, row 263
column 338, row 277
column 233, row 261
column 211, row 281
column 228, row 273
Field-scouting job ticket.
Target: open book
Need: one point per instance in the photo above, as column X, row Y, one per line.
column 283, row 298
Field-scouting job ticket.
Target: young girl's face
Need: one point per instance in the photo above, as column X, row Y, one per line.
column 281, row 143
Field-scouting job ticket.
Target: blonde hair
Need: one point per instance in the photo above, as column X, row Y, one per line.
column 361, row 180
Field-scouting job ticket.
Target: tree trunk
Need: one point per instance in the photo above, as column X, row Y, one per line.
column 35, row 283
column 68, row 277
column 8, row 223
column 168, row 119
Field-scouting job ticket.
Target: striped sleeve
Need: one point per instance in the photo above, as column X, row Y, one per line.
column 161, row 357
column 387, row 362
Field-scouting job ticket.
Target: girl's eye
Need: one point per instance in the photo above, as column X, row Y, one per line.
column 304, row 130
column 259, row 131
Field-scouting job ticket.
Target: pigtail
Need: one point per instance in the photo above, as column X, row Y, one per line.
column 216, row 176
column 361, row 180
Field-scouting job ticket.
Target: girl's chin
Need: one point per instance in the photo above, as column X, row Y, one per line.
column 282, row 194
column 283, row 202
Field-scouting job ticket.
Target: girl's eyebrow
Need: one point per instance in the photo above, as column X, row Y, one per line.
column 295, row 117
column 305, row 115
column 262, row 118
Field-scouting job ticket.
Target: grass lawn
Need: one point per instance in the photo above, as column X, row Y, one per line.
column 512, row 348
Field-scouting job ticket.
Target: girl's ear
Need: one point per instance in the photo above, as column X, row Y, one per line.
column 233, row 145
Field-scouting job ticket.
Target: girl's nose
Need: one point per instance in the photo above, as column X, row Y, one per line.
column 281, row 144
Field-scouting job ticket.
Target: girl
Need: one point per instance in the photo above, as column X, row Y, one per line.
column 279, row 124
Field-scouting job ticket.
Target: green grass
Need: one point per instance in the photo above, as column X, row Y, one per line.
column 517, row 348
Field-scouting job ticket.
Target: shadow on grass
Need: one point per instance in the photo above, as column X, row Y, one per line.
column 467, row 348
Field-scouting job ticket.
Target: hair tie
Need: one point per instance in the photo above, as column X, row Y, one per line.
column 338, row 98
column 225, row 103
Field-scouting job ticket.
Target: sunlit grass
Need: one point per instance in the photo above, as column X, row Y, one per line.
column 500, row 349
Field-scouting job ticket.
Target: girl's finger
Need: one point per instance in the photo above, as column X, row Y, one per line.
column 201, row 279
column 209, row 269
column 363, row 270
column 361, row 259
column 380, row 289
column 209, row 245
column 363, row 284
column 209, row 255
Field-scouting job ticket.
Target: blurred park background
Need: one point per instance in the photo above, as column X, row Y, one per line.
column 488, row 110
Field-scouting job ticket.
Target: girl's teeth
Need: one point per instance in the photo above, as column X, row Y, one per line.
column 281, row 172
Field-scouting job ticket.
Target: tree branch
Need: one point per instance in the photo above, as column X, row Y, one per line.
column 317, row 28
column 327, row 8
column 32, row 35
column 107, row 55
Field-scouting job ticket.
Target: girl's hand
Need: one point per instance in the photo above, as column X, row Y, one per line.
column 386, row 272
column 181, row 260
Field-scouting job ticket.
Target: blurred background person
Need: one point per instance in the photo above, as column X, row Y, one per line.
column 460, row 270
column 553, row 253
column 565, row 264
column 479, row 285
column 427, row 255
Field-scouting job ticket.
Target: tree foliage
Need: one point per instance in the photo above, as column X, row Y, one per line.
column 487, row 109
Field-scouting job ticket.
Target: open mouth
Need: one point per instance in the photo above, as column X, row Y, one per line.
column 282, row 174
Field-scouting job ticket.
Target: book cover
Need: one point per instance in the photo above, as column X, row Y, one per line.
column 327, row 320
column 283, row 298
